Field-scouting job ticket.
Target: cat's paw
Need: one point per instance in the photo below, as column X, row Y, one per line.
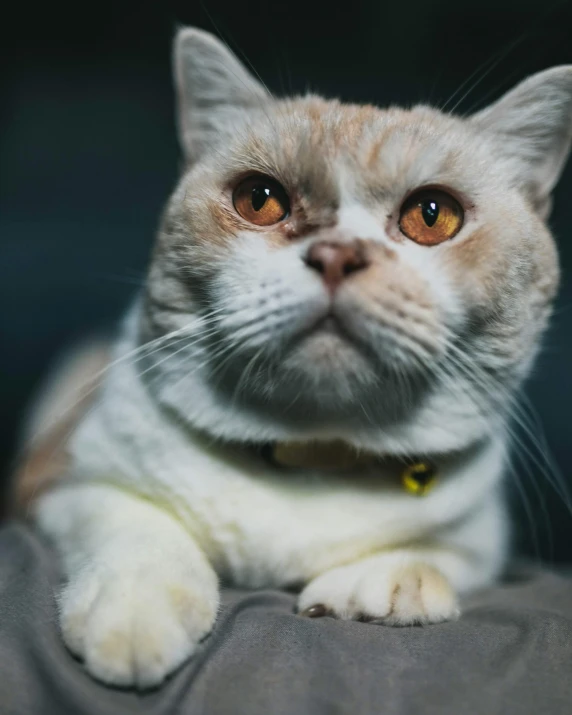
column 136, row 627
column 391, row 593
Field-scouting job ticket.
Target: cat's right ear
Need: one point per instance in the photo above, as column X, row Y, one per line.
column 532, row 125
column 212, row 88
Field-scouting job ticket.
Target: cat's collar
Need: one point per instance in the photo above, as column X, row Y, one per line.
column 416, row 476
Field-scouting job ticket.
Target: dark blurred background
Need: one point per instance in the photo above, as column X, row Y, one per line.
column 88, row 155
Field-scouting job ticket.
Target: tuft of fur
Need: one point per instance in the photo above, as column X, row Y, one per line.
column 236, row 342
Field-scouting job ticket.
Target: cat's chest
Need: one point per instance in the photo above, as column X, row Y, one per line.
column 267, row 531
column 264, row 528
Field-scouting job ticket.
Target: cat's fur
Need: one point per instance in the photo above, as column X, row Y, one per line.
column 164, row 492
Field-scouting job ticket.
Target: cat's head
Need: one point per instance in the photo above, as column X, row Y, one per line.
column 332, row 270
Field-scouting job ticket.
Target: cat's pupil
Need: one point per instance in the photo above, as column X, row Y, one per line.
column 430, row 212
column 259, row 195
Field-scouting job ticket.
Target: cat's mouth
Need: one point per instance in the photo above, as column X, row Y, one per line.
column 329, row 338
column 344, row 337
column 328, row 329
column 329, row 325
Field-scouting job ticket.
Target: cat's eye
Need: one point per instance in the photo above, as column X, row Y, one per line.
column 261, row 201
column 431, row 216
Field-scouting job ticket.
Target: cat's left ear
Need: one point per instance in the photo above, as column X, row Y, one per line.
column 533, row 125
column 214, row 91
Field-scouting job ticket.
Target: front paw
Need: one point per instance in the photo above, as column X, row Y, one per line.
column 397, row 594
column 133, row 628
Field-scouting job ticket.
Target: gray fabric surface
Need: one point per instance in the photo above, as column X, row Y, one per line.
column 511, row 652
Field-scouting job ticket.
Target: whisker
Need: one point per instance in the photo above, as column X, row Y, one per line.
column 484, row 69
column 496, row 393
column 245, row 374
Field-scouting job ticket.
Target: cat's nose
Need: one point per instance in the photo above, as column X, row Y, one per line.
column 335, row 261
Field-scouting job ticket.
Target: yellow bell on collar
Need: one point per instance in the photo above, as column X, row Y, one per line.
column 419, row 478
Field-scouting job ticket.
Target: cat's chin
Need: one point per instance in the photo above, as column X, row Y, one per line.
column 324, row 381
column 323, row 384
column 340, row 370
column 327, row 351
column 370, row 420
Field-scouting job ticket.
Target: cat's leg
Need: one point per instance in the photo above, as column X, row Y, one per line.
column 140, row 594
column 416, row 584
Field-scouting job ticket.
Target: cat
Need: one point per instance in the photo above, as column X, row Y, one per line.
column 314, row 387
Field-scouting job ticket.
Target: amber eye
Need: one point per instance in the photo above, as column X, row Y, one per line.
column 430, row 216
column 261, row 200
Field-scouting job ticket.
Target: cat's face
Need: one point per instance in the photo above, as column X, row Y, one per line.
column 337, row 270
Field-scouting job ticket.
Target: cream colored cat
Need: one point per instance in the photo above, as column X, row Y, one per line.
column 333, row 286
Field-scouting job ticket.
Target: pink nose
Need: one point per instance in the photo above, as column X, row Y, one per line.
column 335, row 261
